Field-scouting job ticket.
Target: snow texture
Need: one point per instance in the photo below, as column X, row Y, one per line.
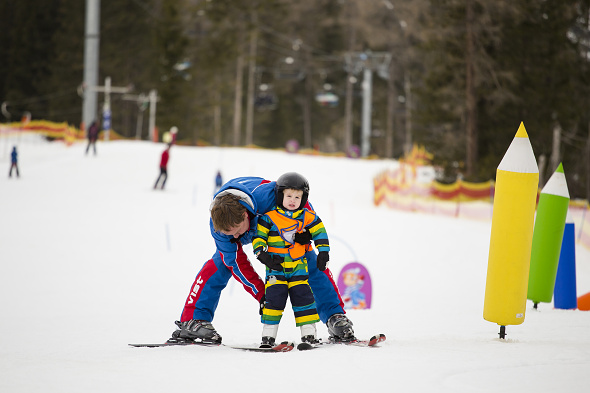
column 92, row 258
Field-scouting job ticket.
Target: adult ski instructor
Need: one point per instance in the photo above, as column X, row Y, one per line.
column 235, row 210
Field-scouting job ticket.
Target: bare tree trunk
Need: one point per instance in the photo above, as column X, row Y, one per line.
column 556, row 147
column 408, row 93
column 306, row 103
column 238, row 100
column 391, row 104
column 348, row 104
column 470, row 97
column 542, row 164
column 251, row 72
column 217, row 114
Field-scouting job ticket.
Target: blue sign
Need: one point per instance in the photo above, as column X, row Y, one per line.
column 106, row 119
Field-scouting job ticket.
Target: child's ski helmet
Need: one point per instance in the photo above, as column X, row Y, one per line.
column 293, row 181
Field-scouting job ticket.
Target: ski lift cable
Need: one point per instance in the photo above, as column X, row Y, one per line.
column 277, row 49
column 291, row 40
column 146, row 8
column 320, row 55
column 47, row 97
column 333, row 59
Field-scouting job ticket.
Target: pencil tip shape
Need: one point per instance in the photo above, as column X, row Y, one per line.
column 559, row 168
column 557, row 184
column 521, row 133
column 520, row 157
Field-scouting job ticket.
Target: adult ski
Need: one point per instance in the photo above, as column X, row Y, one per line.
column 371, row 342
column 177, row 344
column 284, row 346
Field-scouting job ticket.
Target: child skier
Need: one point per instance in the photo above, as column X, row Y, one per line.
column 13, row 162
column 287, row 271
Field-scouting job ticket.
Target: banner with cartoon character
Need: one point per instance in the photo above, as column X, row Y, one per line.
column 354, row 284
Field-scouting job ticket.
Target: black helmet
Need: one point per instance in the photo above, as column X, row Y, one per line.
column 293, row 181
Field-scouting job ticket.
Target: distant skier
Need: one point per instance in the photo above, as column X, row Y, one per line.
column 13, row 162
column 163, row 168
column 92, row 136
column 218, row 182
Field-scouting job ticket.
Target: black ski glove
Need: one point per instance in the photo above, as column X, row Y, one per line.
column 262, row 303
column 271, row 261
column 302, row 238
column 322, row 262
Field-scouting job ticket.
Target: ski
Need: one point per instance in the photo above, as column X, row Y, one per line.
column 177, row 343
column 285, row 346
column 371, row 342
column 308, row 346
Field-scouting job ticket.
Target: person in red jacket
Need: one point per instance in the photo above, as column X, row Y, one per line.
column 163, row 168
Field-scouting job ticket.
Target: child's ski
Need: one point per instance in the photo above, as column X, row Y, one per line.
column 307, row 346
column 285, row 346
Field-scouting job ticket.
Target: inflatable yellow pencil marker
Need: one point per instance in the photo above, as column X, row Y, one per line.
column 547, row 236
column 517, row 181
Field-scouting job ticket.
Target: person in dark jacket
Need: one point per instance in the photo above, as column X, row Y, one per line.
column 92, row 136
column 163, row 168
column 13, row 162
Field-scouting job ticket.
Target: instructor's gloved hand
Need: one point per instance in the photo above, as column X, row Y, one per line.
column 322, row 262
column 302, row 238
column 271, row 261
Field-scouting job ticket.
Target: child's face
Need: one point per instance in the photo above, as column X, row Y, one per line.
column 292, row 199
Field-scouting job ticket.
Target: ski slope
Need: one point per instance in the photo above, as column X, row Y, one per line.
column 92, row 258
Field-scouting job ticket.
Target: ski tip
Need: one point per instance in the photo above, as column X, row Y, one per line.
column 377, row 339
column 284, row 346
column 305, row 346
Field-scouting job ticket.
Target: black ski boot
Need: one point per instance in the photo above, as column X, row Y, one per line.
column 176, row 339
column 310, row 340
column 198, row 330
column 267, row 342
column 340, row 328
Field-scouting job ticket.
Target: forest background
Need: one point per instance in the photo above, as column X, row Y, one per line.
column 456, row 76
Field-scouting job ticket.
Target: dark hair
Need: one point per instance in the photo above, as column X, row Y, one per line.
column 227, row 212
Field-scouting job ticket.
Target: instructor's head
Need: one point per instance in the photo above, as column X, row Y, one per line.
column 229, row 216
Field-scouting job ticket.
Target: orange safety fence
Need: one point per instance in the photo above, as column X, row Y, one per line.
column 59, row 131
column 401, row 189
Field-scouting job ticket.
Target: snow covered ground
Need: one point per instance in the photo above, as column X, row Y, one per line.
column 92, row 258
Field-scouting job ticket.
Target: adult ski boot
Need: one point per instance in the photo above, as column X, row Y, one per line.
column 197, row 330
column 177, row 340
column 340, row 328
